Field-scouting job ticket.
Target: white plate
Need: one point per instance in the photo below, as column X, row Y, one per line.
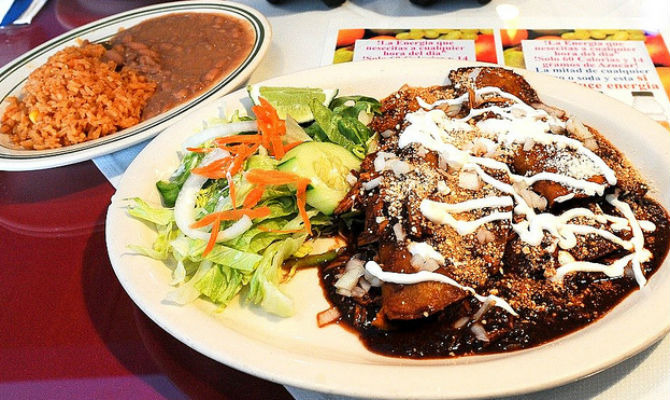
column 14, row 74
column 295, row 351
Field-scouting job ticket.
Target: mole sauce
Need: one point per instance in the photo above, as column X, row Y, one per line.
column 436, row 336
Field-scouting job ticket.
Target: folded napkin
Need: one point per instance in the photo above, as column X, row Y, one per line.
column 115, row 164
column 19, row 12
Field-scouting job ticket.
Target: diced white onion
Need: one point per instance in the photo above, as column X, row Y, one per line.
column 184, row 208
column 364, row 284
column 358, row 292
column 443, row 188
column 553, row 111
column 531, row 198
column 485, row 236
column 469, row 180
column 482, row 310
column 379, row 163
column 479, row 332
column 219, row 131
column 399, row 232
column 354, row 263
column 351, row 179
column 591, row 144
column 387, row 133
column 398, row 167
column 371, row 279
column 424, row 264
column 369, row 185
column 528, row 144
column 349, row 280
column 461, row 322
column 582, row 133
column 421, row 151
column 328, row 316
column 565, row 258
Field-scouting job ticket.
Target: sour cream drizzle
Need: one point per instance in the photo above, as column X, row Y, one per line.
column 636, row 258
column 426, row 251
column 424, row 276
column 440, row 213
column 518, row 123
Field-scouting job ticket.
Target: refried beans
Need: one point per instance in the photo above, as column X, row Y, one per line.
column 183, row 53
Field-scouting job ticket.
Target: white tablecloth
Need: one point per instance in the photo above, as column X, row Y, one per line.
column 302, row 34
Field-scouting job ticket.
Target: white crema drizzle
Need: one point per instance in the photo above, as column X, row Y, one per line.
column 518, row 123
column 424, row 276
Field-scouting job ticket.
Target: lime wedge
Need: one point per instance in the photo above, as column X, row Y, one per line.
column 292, row 101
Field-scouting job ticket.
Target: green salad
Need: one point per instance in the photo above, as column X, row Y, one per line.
column 250, row 193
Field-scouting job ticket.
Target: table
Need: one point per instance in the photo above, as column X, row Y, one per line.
column 68, row 329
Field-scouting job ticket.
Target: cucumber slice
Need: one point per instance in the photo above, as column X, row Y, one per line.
column 327, row 166
column 291, row 100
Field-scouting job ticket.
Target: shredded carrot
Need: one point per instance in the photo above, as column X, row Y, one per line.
column 212, row 238
column 254, row 196
column 230, row 215
column 237, row 139
column 199, row 149
column 237, row 149
column 215, row 169
column 271, row 177
column 238, row 162
column 215, row 220
column 277, row 146
column 271, row 127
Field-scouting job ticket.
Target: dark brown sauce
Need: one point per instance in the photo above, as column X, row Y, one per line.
column 183, row 53
column 436, row 336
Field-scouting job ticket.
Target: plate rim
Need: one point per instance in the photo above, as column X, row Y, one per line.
column 12, row 159
column 329, row 387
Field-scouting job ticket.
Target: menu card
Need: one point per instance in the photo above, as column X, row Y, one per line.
column 631, row 65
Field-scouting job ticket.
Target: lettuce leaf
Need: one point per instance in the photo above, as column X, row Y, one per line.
column 140, row 209
column 221, row 283
column 263, row 287
column 170, row 189
column 340, row 124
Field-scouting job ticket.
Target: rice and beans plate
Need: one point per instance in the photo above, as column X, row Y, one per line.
column 92, row 90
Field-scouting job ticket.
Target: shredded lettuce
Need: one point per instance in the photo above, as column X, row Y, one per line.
column 264, row 284
column 170, row 189
column 139, row 208
column 251, row 263
column 340, row 122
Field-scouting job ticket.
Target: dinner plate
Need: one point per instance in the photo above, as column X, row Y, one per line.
column 14, row 74
column 295, row 351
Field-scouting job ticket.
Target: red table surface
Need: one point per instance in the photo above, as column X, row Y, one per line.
column 68, row 330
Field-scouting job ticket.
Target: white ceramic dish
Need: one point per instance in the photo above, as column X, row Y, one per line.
column 295, row 351
column 14, row 74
